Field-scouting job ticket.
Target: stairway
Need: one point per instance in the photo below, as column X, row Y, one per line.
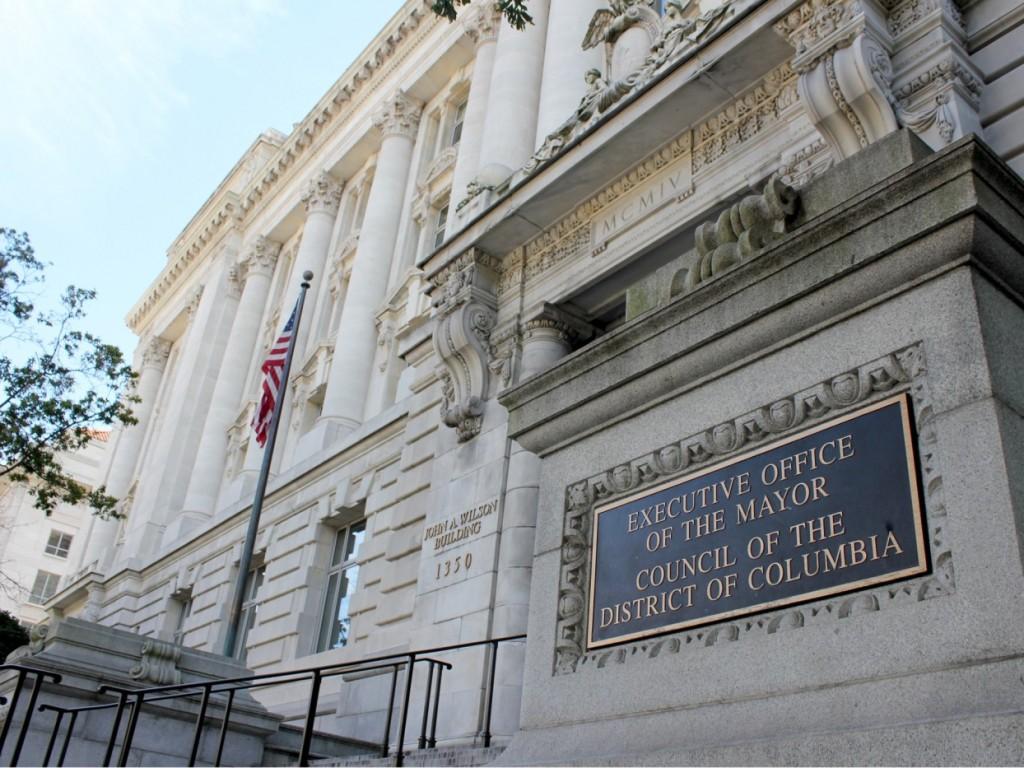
column 448, row 757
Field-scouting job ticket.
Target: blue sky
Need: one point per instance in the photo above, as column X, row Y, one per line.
column 120, row 117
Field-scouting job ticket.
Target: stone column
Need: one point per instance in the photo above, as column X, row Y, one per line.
column 322, row 199
column 510, row 131
column 548, row 337
column 482, row 23
column 356, row 344
column 565, row 62
column 257, row 268
column 126, row 456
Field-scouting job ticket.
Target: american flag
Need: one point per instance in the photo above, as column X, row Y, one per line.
column 272, row 368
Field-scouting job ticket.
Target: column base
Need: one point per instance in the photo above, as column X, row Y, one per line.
column 181, row 526
column 327, row 431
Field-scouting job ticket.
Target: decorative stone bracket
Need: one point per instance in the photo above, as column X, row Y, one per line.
column 465, row 313
column 158, row 663
column 845, row 56
column 842, row 57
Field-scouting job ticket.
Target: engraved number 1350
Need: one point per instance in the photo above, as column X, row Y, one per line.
column 460, row 563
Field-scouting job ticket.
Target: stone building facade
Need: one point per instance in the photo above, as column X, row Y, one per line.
column 490, row 216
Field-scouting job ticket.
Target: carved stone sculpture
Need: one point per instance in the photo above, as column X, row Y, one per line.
column 158, row 663
column 742, row 230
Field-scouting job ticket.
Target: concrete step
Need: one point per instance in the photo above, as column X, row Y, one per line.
column 447, row 757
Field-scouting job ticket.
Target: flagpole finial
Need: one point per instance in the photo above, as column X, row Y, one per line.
column 307, row 276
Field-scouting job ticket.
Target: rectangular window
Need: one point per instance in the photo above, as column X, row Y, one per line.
column 442, row 220
column 341, row 584
column 249, row 609
column 457, row 121
column 44, row 587
column 59, row 544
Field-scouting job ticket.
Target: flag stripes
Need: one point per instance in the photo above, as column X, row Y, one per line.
column 271, row 389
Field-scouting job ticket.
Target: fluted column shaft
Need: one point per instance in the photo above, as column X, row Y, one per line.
column 510, row 131
column 126, row 456
column 565, row 62
column 204, row 483
column 356, row 344
column 482, row 24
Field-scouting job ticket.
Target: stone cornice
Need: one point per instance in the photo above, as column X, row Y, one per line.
column 351, row 90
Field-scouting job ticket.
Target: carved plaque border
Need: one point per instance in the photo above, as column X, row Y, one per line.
column 899, row 371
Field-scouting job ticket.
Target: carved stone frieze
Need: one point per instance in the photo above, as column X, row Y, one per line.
column 158, row 663
column 465, row 305
column 322, row 193
column 398, row 116
column 741, row 231
column 903, row 369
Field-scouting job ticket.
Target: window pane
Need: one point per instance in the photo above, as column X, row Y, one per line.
column 356, row 534
column 337, row 554
column 328, row 623
column 59, row 544
column 44, row 587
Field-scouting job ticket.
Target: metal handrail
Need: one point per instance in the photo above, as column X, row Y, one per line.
column 38, row 677
column 132, row 699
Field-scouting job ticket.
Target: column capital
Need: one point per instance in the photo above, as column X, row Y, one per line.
column 156, row 353
column 261, row 257
column 553, row 321
column 482, row 22
column 322, row 193
column 398, row 116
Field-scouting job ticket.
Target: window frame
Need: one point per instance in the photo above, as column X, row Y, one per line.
column 458, row 121
column 40, row 597
column 440, row 224
column 60, row 536
column 250, row 609
column 340, row 583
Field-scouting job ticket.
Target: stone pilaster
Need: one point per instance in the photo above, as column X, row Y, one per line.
column 256, row 269
column 352, row 363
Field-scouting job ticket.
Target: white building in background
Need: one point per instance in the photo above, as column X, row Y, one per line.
column 38, row 550
column 475, row 203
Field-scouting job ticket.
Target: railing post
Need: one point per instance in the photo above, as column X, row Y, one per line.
column 67, row 740
column 37, row 683
column 422, row 742
column 224, row 726
column 198, row 736
column 391, row 707
column 122, row 698
column 129, row 731
column 432, row 741
column 490, row 693
column 11, row 709
column 400, row 756
column 307, row 733
column 58, row 718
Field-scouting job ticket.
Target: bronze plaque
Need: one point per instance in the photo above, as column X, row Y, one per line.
column 832, row 509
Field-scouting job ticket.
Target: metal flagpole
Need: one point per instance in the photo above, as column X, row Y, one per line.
column 261, row 484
